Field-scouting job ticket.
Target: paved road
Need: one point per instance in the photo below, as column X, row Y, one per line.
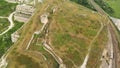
column 11, row 23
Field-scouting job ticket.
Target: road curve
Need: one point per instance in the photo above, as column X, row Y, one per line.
column 11, row 23
column 114, row 39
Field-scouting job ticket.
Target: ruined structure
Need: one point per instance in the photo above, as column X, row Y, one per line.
column 44, row 18
column 23, row 12
column 32, row 2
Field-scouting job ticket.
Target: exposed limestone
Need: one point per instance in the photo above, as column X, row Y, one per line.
column 116, row 22
column 3, row 62
column 54, row 9
column 44, row 18
column 14, row 37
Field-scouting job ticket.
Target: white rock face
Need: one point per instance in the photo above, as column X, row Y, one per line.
column 14, row 37
column 44, row 18
column 116, row 22
column 3, row 62
column 54, row 9
column 41, row 1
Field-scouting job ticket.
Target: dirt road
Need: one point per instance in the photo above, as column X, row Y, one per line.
column 111, row 28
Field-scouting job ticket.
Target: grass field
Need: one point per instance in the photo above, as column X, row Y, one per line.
column 115, row 5
column 6, row 8
column 4, row 23
column 50, row 61
column 5, row 40
column 71, row 32
column 23, row 61
column 97, row 49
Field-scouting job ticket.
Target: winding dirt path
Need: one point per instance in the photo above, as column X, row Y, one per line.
column 89, row 50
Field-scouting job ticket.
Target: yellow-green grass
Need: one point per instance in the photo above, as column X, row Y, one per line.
column 50, row 61
column 37, row 45
column 71, row 32
column 72, row 28
column 6, row 8
column 115, row 5
column 25, row 35
column 97, row 49
column 5, row 40
column 24, row 61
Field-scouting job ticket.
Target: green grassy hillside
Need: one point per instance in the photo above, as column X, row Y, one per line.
column 5, row 40
column 72, row 30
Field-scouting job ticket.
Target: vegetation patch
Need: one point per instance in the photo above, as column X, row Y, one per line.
column 85, row 3
column 6, row 8
column 97, row 49
column 5, row 40
column 27, row 61
column 23, row 61
column 37, row 45
column 71, row 33
column 115, row 5
column 4, row 23
column 105, row 6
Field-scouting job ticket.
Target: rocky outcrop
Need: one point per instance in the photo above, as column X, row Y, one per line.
column 44, row 18
column 14, row 37
column 116, row 22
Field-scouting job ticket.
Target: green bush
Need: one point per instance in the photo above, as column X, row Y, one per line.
column 6, row 8
column 85, row 3
column 104, row 6
column 5, row 40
